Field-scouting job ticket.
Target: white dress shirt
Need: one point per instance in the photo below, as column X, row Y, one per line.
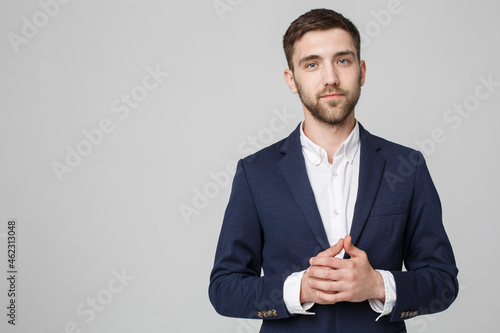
column 335, row 188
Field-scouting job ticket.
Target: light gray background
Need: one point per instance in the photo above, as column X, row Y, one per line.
column 120, row 208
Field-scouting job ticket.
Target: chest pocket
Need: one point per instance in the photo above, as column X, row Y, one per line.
column 389, row 210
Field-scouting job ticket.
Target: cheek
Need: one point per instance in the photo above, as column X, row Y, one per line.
column 351, row 80
column 310, row 84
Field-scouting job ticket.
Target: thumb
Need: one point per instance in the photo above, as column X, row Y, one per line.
column 333, row 250
column 350, row 249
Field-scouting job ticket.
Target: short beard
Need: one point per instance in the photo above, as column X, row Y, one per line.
column 328, row 116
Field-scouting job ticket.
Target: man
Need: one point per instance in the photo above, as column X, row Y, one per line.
column 331, row 213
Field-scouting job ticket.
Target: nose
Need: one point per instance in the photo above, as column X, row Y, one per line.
column 330, row 76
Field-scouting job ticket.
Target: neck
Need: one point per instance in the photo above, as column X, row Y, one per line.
column 327, row 136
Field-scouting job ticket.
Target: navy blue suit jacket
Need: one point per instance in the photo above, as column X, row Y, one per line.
column 272, row 223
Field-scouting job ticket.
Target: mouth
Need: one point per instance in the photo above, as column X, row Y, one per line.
column 332, row 96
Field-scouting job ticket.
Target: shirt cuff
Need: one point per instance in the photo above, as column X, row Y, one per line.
column 385, row 308
column 291, row 295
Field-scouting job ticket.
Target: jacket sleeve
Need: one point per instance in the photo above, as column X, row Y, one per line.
column 237, row 288
column 430, row 283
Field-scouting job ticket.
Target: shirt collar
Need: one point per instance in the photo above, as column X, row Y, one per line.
column 315, row 154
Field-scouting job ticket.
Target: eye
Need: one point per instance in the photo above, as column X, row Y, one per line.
column 343, row 61
column 311, row 66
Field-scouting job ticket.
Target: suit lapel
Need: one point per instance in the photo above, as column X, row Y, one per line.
column 294, row 170
column 370, row 174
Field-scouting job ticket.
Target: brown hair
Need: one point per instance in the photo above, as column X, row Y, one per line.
column 318, row 19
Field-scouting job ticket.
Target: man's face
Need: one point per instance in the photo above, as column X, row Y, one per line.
column 327, row 75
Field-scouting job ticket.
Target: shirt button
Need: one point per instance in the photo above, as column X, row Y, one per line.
column 336, row 212
column 321, row 155
column 335, row 174
column 349, row 156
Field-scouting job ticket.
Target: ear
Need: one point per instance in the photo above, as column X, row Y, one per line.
column 290, row 81
column 362, row 68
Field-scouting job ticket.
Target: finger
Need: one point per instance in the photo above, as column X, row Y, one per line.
column 333, row 250
column 317, row 272
column 328, row 298
column 352, row 250
column 335, row 263
column 326, row 285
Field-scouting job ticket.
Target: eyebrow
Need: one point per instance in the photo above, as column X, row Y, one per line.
column 309, row 58
column 316, row 57
column 344, row 53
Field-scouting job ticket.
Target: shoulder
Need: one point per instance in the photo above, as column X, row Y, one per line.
column 274, row 153
column 266, row 155
column 386, row 148
column 401, row 162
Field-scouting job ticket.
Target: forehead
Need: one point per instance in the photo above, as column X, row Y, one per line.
column 323, row 43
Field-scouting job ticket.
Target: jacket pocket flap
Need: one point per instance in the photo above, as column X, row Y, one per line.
column 388, row 210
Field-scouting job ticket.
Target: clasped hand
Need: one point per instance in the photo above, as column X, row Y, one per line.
column 330, row 280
